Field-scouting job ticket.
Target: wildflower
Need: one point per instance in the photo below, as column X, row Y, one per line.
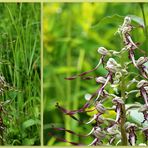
column 141, row 61
column 103, row 51
column 112, row 65
column 101, row 80
column 118, row 101
column 143, row 89
column 113, row 130
column 100, row 108
column 130, row 127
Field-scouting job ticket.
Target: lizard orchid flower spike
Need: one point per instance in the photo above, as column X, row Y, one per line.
column 111, row 96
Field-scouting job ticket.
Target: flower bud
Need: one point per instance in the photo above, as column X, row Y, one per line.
column 113, row 130
column 100, row 119
column 142, row 60
column 101, row 80
column 142, row 83
column 103, row 51
column 112, row 65
column 99, row 133
column 117, row 100
column 127, row 20
column 88, row 97
column 100, row 108
column 112, row 61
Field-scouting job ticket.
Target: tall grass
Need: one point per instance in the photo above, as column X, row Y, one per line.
column 20, row 65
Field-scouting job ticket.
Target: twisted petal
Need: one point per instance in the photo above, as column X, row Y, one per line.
column 118, row 111
column 143, row 92
column 132, row 57
column 94, row 117
column 63, row 140
column 69, row 131
column 103, row 86
column 93, row 142
column 84, row 73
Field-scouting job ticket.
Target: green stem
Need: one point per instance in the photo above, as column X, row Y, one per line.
column 123, row 115
column 68, row 97
column 145, row 24
column 77, row 89
column 68, row 83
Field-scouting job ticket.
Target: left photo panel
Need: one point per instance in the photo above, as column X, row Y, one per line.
column 20, row 74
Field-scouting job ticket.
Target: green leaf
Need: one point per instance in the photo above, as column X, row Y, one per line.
column 28, row 141
column 109, row 20
column 137, row 20
column 137, row 117
column 30, row 122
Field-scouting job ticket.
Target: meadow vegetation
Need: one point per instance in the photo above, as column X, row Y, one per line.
column 20, row 66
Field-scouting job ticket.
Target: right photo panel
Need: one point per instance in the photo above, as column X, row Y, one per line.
column 95, row 74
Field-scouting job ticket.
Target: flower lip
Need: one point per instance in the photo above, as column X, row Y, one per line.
column 117, row 100
column 130, row 125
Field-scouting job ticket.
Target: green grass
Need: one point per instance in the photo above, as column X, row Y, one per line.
column 20, row 65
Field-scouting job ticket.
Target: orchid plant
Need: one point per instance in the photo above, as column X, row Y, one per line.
column 118, row 131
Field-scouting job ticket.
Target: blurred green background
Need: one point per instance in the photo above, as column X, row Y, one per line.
column 20, row 65
column 72, row 34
